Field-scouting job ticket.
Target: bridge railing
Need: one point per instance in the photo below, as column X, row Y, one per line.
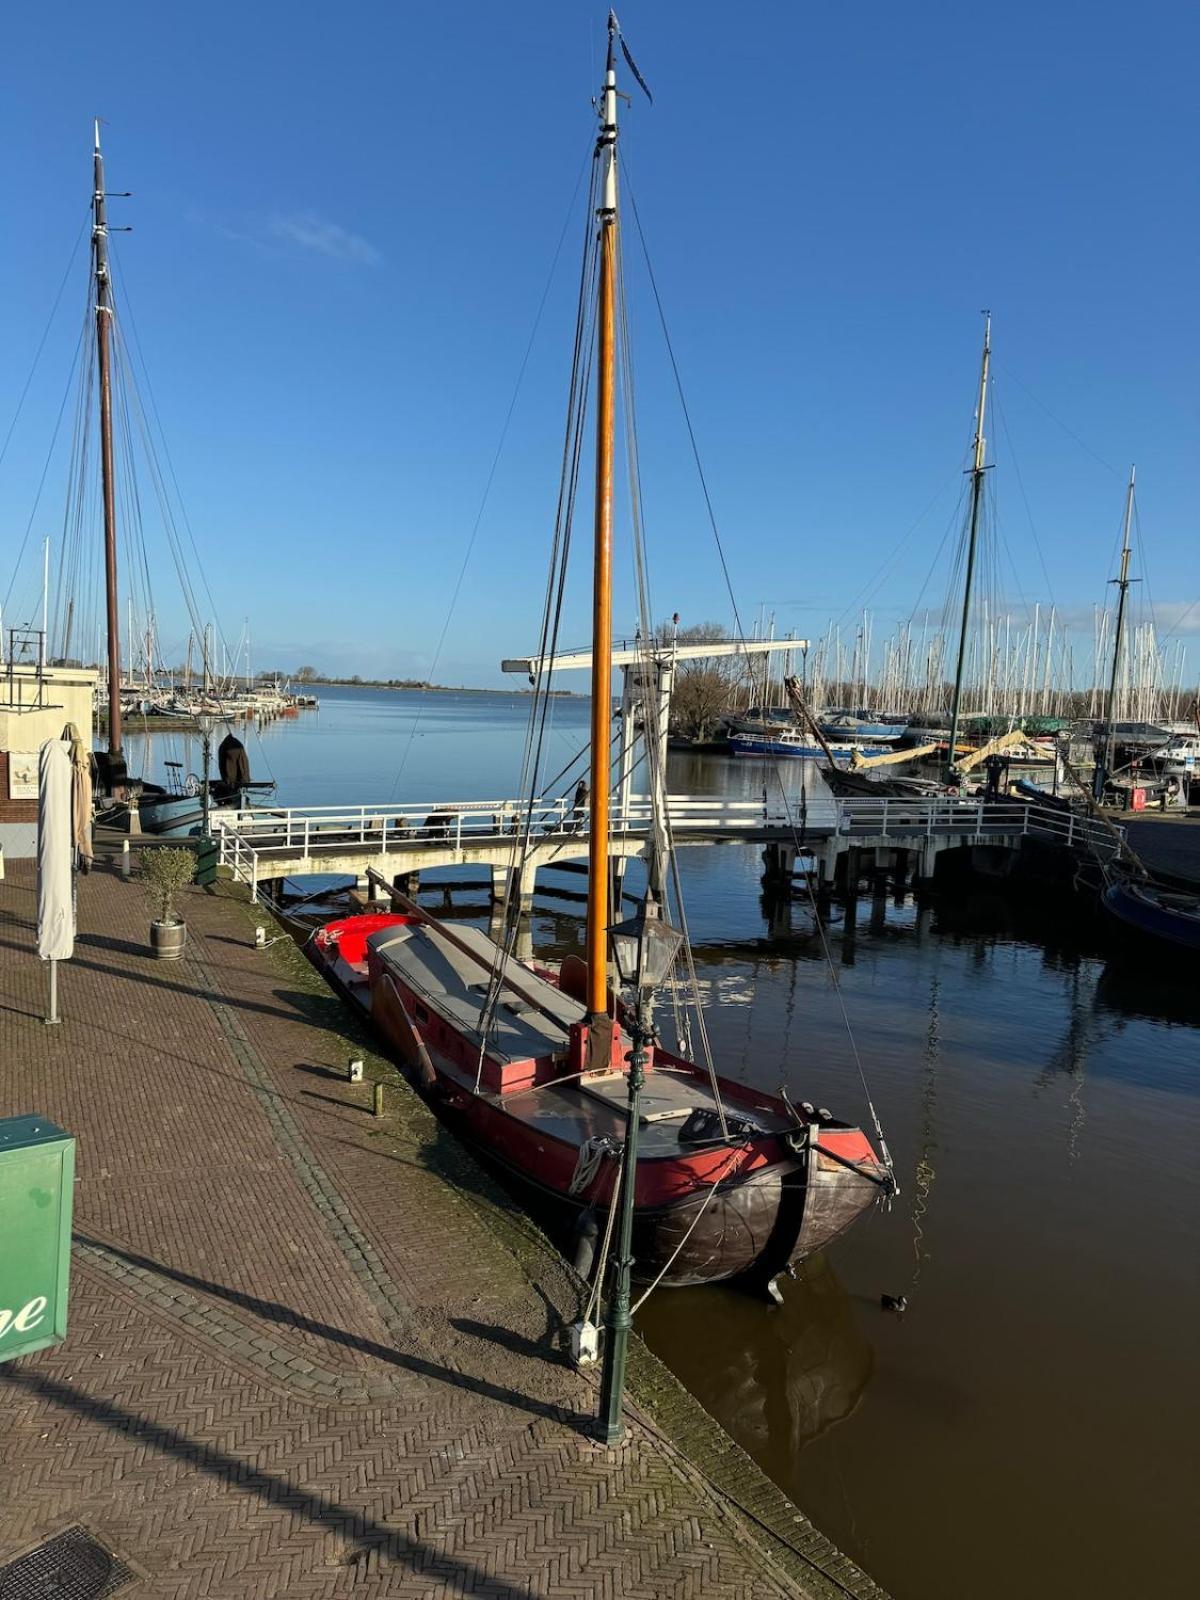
column 253, row 838
column 299, row 830
column 888, row 816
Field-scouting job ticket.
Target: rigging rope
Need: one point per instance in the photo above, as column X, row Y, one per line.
column 487, row 488
column 540, row 705
column 837, row 988
column 741, row 635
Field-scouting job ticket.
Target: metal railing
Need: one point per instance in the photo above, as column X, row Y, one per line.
column 949, row 814
column 298, row 830
column 250, row 839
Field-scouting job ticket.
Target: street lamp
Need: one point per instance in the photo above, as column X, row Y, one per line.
column 206, row 724
column 644, row 949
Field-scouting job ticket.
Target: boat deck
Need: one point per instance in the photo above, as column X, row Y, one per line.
column 591, row 1107
column 454, row 984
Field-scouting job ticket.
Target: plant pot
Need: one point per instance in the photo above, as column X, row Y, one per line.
column 167, row 940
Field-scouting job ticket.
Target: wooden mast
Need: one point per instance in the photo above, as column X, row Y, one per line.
column 601, row 730
column 104, row 314
column 977, row 472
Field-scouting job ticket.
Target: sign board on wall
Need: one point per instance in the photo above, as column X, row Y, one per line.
column 22, row 775
column 37, row 1192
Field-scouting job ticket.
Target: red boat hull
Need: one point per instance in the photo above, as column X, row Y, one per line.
column 702, row 1214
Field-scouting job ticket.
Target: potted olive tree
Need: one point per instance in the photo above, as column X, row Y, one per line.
column 165, row 873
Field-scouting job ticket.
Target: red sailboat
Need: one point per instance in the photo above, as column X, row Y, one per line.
column 532, row 1065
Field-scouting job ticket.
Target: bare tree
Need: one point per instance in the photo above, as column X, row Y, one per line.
column 704, row 685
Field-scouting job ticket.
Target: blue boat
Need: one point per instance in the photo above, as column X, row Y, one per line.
column 850, row 725
column 1164, row 918
column 787, row 742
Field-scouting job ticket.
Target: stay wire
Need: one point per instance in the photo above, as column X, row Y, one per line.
column 37, row 355
column 491, row 476
column 837, row 987
column 128, row 316
column 68, row 390
column 652, row 737
column 1070, row 432
column 569, row 472
column 687, row 416
column 150, row 448
column 998, row 407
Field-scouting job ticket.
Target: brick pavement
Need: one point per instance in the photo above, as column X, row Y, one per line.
column 312, row 1353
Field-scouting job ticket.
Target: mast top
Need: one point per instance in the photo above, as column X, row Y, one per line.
column 96, row 134
column 606, row 142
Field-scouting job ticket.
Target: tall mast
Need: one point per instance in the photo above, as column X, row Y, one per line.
column 104, row 314
column 977, row 472
column 597, row 914
column 1122, row 584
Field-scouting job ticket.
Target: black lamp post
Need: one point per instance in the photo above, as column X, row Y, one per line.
column 644, row 949
column 205, row 723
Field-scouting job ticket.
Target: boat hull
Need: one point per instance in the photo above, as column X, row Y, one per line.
column 1163, row 928
column 766, row 747
column 752, row 1231
column 702, row 1215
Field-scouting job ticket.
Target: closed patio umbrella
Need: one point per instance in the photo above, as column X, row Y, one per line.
column 81, row 763
column 55, row 880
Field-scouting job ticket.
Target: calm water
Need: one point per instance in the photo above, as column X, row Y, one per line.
column 1030, row 1425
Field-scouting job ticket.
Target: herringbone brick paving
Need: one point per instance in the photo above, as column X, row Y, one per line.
column 301, row 1362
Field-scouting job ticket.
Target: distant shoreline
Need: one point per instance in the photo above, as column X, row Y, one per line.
column 418, row 688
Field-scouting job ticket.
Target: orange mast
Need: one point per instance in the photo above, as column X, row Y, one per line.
column 598, row 910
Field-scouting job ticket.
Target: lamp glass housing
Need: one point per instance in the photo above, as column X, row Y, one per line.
column 644, row 948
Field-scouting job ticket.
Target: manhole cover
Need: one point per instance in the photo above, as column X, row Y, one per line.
column 71, row 1566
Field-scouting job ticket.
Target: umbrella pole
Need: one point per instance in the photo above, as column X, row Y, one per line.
column 52, row 1015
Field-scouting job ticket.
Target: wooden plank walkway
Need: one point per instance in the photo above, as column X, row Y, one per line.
column 312, row 1353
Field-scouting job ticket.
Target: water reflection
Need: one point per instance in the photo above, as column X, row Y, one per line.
column 776, row 1378
column 1042, row 1103
column 1130, row 991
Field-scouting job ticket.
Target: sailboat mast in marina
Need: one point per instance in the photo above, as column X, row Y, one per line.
column 601, row 722
column 531, row 1063
column 1122, row 584
column 104, row 319
column 977, row 478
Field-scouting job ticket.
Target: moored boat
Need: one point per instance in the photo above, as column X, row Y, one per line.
column 780, row 1183
column 1163, row 920
column 545, row 1072
column 791, row 742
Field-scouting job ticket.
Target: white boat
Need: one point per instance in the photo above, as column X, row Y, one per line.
column 1180, row 758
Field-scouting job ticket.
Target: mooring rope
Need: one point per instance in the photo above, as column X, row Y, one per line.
column 837, row 989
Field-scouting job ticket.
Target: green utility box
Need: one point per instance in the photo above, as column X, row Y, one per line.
column 37, row 1194
column 207, row 853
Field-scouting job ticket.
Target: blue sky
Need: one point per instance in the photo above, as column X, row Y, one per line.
column 344, row 220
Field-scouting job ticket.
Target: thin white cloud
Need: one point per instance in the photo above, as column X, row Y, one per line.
column 309, row 231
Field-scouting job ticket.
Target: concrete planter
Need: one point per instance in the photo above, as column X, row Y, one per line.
column 167, row 940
